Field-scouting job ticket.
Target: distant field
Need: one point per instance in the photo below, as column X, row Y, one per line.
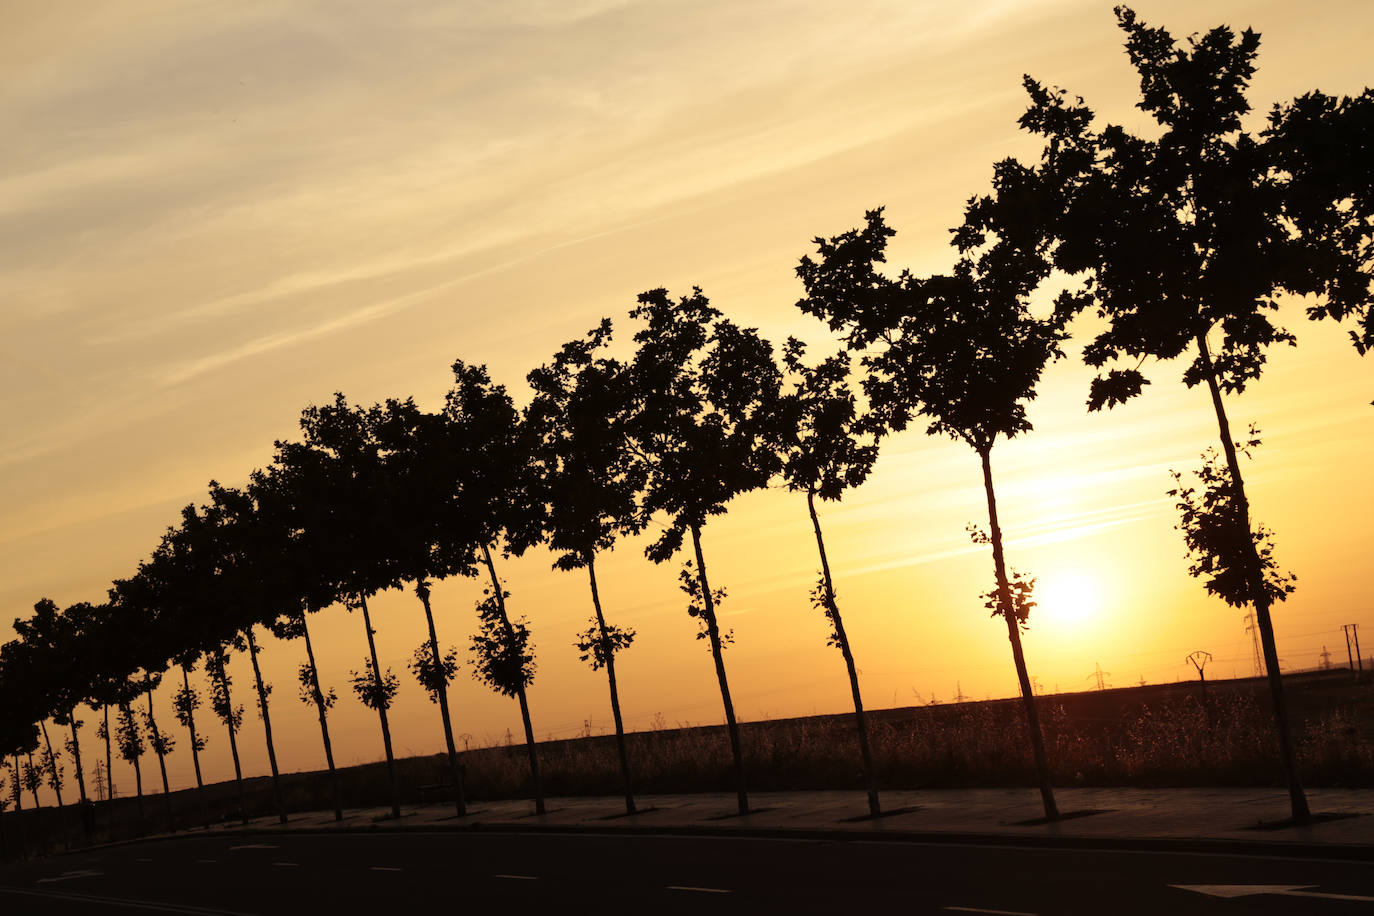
column 1158, row 735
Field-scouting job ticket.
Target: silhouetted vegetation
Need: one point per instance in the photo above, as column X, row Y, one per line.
column 1181, row 242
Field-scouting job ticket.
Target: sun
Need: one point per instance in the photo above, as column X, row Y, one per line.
column 1066, row 598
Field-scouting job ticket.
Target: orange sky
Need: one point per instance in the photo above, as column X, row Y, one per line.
column 212, row 215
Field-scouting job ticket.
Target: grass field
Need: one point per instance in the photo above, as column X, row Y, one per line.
column 1157, row 735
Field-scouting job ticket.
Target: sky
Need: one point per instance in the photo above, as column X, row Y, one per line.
column 213, row 215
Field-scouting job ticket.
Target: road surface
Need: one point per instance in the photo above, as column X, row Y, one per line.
column 382, row 874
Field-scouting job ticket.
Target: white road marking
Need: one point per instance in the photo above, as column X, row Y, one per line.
column 385, row 868
column 974, row 909
column 1253, row 890
column 121, row 903
column 143, row 860
column 699, row 890
column 250, row 846
column 69, row 875
column 207, row 861
column 518, row 877
column 287, row 864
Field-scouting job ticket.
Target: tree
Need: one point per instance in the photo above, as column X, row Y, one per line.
column 303, row 591
column 587, row 477
column 1181, row 238
column 1321, row 148
column 249, row 552
column 827, row 448
column 488, row 449
column 429, row 543
column 706, row 400
column 346, row 523
column 185, row 702
column 961, row 350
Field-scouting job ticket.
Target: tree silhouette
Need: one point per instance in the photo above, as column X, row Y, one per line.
column 1180, row 237
column 1321, row 147
column 346, row 523
column 302, row 592
column 249, row 554
column 487, row 446
column 707, row 396
column 961, row 350
column 428, row 544
column 587, row 478
column 828, row 448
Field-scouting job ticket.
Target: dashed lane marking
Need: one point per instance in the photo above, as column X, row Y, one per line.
column 206, row 861
column 385, row 868
column 518, row 877
column 699, row 890
column 69, row 875
column 287, row 864
column 253, row 846
column 120, row 903
column 974, row 909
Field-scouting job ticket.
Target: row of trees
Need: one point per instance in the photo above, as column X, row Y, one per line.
column 1179, row 242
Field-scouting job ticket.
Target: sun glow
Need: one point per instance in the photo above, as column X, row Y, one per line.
column 1068, row 598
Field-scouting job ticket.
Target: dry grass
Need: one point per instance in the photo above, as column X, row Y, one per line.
column 1152, row 736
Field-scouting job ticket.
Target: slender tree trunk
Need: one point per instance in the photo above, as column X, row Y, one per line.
column 713, row 631
column 318, row 695
column 608, row 650
column 520, row 694
column 222, row 678
column 76, row 755
column 52, row 758
column 17, row 790
column 191, row 726
column 1004, row 603
column 109, row 755
column 161, row 758
column 1296, row 797
column 456, row 773
column 126, row 714
column 870, row 781
column 34, row 791
column 381, row 710
column 266, row 724
column 195, row 749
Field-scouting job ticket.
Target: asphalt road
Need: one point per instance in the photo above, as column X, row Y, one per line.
column 379, row 873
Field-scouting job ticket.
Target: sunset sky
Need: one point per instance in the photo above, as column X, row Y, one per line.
column 215, row 214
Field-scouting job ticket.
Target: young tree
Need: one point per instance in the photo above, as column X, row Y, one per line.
column 185, row 702
column 249, row 552
column 1322, row 147
column 131, row 746
column 587, row 477
column 346, row 523
column 706, row 404
column 827, row 448
column 488, row 448
column 222, row 704
column 429, row 543
column 963, row 351
column 1184, row 243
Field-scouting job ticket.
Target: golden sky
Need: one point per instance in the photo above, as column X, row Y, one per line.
column 212, row 215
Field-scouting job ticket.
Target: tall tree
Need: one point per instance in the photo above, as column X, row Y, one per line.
column 301, row 589
column 587, row 477
column 249, row 548
column 707, row 396
column 429, row 544
column 346, row 523
column 828, row 447
column 962, row 350
column 1184, row 244
column 488, row 448
column 1322, row 148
